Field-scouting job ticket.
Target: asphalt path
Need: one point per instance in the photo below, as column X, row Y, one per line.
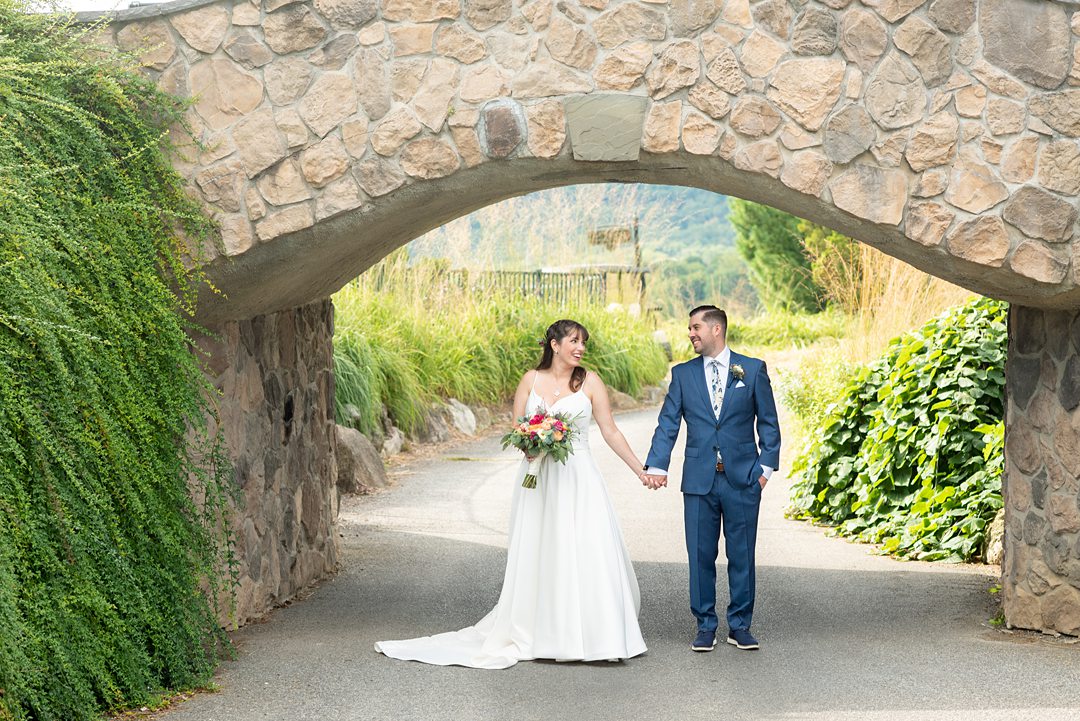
column 846, row 635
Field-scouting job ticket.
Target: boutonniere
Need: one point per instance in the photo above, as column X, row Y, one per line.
column 737, row 371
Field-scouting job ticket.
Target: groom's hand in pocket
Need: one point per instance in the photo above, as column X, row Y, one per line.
column 763, row 480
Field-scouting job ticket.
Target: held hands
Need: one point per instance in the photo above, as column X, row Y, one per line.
column 655, row 482
column 652, row 481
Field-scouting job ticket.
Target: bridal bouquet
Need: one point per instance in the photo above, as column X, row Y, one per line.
column 540, row 435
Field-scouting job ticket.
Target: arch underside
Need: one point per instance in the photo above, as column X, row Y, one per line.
column 313, row 263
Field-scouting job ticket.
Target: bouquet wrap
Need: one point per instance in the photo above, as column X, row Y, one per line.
column 533, row 473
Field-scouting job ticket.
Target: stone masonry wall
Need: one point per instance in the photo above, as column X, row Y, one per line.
column 1041, row 570
column 275, row 374
column 945, row 132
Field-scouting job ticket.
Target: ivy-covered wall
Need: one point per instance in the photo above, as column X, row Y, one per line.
column 104, row 554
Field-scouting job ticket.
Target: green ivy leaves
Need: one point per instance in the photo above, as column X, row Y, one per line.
column 104, row 555
column 911, row 456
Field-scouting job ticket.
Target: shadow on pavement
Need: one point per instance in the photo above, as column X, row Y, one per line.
column 837, row 644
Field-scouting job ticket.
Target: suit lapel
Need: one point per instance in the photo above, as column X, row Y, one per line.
column 733, row 360
column 697, row 368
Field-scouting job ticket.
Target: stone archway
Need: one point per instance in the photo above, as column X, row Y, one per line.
column 944, row 132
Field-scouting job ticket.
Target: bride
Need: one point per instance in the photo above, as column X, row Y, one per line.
column 569, row 592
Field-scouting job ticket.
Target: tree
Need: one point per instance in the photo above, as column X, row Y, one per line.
column 836, row 265
column 770, row 242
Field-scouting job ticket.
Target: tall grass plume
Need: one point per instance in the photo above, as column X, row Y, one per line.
column 882, row 297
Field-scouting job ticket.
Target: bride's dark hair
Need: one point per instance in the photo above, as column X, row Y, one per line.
column 556, row 332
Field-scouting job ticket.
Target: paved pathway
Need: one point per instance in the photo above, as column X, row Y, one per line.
column 846, row 635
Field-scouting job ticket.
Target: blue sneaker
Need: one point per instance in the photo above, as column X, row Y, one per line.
column 705, row 641
column 740, row 638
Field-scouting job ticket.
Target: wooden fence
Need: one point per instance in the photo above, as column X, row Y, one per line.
column 586, row 286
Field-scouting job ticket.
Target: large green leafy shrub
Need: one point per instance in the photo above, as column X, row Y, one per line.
column 911, row 456
column 107, row 564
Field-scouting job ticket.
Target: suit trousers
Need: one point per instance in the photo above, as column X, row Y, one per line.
column 733, row 509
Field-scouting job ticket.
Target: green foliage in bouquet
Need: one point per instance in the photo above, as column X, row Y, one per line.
column 911, row 457
column 107, row 564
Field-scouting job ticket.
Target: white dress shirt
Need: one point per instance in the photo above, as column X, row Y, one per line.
column 724, row 359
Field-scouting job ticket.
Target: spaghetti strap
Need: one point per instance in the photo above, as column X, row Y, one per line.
column 535, row 373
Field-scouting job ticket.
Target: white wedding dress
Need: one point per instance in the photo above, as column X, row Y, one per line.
column 569, row 592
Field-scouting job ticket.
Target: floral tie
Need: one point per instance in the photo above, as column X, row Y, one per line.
column 717, row 389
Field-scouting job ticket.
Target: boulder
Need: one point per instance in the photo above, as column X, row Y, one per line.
column 432, row 429
column 661, row 339
column 653, row 395
column 360, row 468
column 621, row 401
column 484, row 419
column 394, row 443
column 461, row 417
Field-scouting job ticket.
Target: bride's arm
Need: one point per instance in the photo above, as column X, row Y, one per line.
column 521, row 399
column 597, row 392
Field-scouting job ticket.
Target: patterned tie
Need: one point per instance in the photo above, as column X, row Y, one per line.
column 717, row 388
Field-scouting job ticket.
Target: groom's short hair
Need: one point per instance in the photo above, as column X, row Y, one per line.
column 711, row 314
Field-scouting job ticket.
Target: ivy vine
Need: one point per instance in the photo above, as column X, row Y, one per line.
column 108, row 563
column 911, row 457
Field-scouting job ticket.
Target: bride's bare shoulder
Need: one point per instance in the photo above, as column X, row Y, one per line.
column 593, row 378
column 593, row 384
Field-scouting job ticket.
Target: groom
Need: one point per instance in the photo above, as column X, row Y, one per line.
column 723, row 397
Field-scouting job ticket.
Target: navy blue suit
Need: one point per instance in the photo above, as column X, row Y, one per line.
column 729, row 499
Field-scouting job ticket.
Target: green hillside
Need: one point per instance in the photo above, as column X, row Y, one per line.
column 686, row 240
column 690, row 220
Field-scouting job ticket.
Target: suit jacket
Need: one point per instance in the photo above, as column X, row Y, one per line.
column 748, row 405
